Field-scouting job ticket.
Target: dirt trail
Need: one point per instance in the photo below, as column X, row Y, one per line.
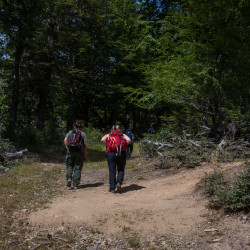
column 162, row 205
column 157, row 206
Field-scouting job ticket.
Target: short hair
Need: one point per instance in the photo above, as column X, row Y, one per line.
column 78, row 124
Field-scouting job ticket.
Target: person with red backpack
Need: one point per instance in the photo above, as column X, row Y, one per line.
column 116, row 143
column 75, row 143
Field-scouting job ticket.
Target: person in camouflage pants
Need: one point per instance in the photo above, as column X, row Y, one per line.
column 75, row 158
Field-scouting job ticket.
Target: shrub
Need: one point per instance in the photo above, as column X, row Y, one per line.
column 214, row 182
column 234, row 197
column 186, row 151
column 134, row 241
column 237, row 196
column 148, row 149
column 94, row 137
column 5, row 145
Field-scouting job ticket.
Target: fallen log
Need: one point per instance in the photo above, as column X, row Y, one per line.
column 159, row 146
column 16, row 155
column 3, row 169
column 159, row 143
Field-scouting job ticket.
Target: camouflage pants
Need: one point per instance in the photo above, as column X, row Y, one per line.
column 74, row 164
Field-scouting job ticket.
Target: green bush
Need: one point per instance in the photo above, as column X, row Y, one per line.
column 234, row 197
column 48, row 139
column 214, row 182
column 237, row 196
column 94, row 137
column 147, row 148
column 5, row 145
column 134, row 241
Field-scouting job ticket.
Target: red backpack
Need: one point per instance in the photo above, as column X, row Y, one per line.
column 116, row 142
column 75, row 141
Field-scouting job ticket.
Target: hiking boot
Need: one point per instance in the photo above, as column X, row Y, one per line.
column 118, row 187
column 75, row 188
column 69, row 183
column 112, row 191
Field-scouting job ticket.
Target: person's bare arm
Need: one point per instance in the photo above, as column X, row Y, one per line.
column 104, row 139
column 65, row 142
column 126, row 138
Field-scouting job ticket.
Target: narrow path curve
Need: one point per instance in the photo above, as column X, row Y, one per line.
column 166, row 204
column 166, row 209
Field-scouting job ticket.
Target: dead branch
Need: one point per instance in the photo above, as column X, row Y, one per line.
column 159, row 143
column 207, row 129
column 195, row 144
column 221, row 145
column 16, row 155
column 244, row 146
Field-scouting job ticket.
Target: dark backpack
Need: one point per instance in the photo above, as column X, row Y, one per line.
column 75, row 141
column 116, row 142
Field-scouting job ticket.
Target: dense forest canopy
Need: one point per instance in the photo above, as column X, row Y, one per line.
column 176, row 64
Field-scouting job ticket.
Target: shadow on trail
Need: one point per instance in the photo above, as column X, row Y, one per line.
column 90, row 185
column 132, row 187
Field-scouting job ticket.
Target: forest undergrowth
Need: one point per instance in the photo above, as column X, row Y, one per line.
column 33, row 181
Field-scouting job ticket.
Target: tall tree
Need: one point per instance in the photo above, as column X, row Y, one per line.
column 202, row 61
column 18, row 22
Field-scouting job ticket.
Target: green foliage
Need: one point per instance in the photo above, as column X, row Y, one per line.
column 32, row 138
column 237, row 196
column 5, row 145
column 231, row 196
column 214, row 182
column 49, row 139
column 94, row 137
column 95, row 149
column 147, row 147
column 198, row 65
column 134, row 241
column 182, row 64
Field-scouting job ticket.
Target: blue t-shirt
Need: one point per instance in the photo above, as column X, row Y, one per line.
column 130, row 135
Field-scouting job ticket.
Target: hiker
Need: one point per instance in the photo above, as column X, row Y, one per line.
column 116, row 143
column 151, row 130
column 130, row 146
column 75, row 143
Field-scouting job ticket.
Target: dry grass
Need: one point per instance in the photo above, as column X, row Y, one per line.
column 24, row 188
column 31, row 185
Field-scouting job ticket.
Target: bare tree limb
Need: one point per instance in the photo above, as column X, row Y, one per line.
column 16, row 155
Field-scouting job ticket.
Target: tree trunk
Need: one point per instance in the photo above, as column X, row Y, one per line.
column 71, row 114
column 15, row 89
column 41, row 109
column 134, row 119
column 43, row 95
